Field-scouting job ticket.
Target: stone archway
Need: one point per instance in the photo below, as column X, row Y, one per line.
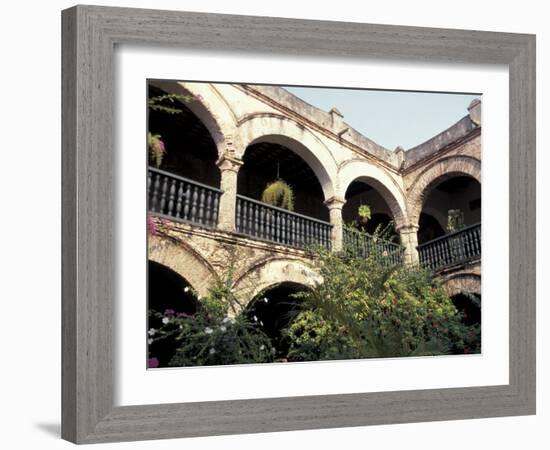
column 278, row 129
column 443, row 168
column 271, row 272
column 184, row 260
column 462, row 283
column 381, row 181
column 212, row 111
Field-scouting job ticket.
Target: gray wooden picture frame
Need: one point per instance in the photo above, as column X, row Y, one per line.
column 90, row 34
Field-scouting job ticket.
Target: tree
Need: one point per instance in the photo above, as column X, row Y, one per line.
column 367, row 307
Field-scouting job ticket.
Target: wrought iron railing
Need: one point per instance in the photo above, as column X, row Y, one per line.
column 367, row 245
column 182, row 199
column 270, row 223
column 455, row 248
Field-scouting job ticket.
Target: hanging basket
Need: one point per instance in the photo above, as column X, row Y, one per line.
column 280, row 194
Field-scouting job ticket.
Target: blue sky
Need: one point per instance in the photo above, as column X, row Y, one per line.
column 391, row 118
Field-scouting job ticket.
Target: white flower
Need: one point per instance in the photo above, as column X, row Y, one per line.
column 208, row 330
column 165, row 320
column 149, row 341
column 152, row 332
column 266, row 300
column 222, row 329
column 261, row 323
column 181, row 327
column 226, row 320
column 255, row 319
column 262, row 347
column 186, row 289
column 199, row 297
column 273, row 350
column 212, row 351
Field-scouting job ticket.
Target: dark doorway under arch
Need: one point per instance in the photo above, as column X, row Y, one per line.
column 190, row 149
column 452, row 192
column 274, row 309
column 362, row 193
column 167, row 290
column 469, row 305
column 265, row 162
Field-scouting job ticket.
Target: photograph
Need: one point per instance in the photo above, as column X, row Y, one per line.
column 291, row 224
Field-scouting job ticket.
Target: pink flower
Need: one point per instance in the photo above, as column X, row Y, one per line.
column 169, row 312
column 152, row 363
column 151, row 227
column 161, row 147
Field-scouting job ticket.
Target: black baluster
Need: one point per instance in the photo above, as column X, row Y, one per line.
column 179, row 202
column 163, row 194
column 201, row 200
column 156, row 188
column 215, row 206
column 172, row 197
column 208, row 208
column 194, row 201
column 187, row 202
column 238, row 214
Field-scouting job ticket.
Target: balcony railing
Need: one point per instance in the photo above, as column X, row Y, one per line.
column 456, row 248
column 182, row 199
column 273, row 224
column 366, row 245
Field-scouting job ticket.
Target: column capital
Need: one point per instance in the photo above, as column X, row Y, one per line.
column 407, row 228
column 229, row 162
column 335, row 202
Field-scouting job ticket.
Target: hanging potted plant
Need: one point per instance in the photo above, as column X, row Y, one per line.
column 156, row 147
column 364, row 213
column 279, row 193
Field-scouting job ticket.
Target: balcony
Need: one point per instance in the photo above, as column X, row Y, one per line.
column 460, row 247
column 364, row 244
column 181, row 199
column 269, row 223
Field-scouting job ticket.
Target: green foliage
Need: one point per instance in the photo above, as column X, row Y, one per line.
column 280, row 194
column 364, row 212
column 156, row 148
column 214, row 335
column 168, row 103
column 365, row 308
column 455, row 220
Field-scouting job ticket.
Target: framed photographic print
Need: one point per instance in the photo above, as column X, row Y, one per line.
column 264, row 229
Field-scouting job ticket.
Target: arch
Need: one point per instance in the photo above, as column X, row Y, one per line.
column 463, row 283
column 211, row 110
column 184, row 260
column 276, row 129
column 271, row 272
column 385, row 185
column 443, row 168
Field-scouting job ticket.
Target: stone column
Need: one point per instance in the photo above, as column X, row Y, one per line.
column 229, row 168
column 335, row 205
column 409, row 239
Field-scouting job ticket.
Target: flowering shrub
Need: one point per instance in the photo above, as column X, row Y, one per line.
column 367, row 308
column 213, row 335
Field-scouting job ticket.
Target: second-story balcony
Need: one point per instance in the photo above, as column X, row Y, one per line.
column 182, row 199
column 367, row 245
column 453, row 249
column 267, row 222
